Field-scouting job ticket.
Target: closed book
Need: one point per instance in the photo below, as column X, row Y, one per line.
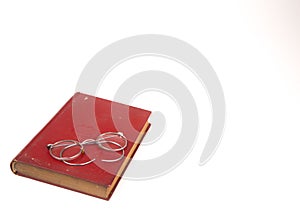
column 84, row 117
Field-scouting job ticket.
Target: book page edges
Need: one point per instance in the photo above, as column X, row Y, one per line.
column 73, row 183
column 128, row 158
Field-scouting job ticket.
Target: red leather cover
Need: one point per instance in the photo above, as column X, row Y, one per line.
column 83, row 117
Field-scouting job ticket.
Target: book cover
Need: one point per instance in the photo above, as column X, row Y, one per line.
column 84, row 117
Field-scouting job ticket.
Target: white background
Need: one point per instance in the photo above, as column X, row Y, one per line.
column 254, row 49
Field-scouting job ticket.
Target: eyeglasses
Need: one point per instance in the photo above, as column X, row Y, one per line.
column 103, row 141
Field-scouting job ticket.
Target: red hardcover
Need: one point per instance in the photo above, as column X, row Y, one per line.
column 83, row 117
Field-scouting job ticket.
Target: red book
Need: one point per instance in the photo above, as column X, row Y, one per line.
column 84, row 117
